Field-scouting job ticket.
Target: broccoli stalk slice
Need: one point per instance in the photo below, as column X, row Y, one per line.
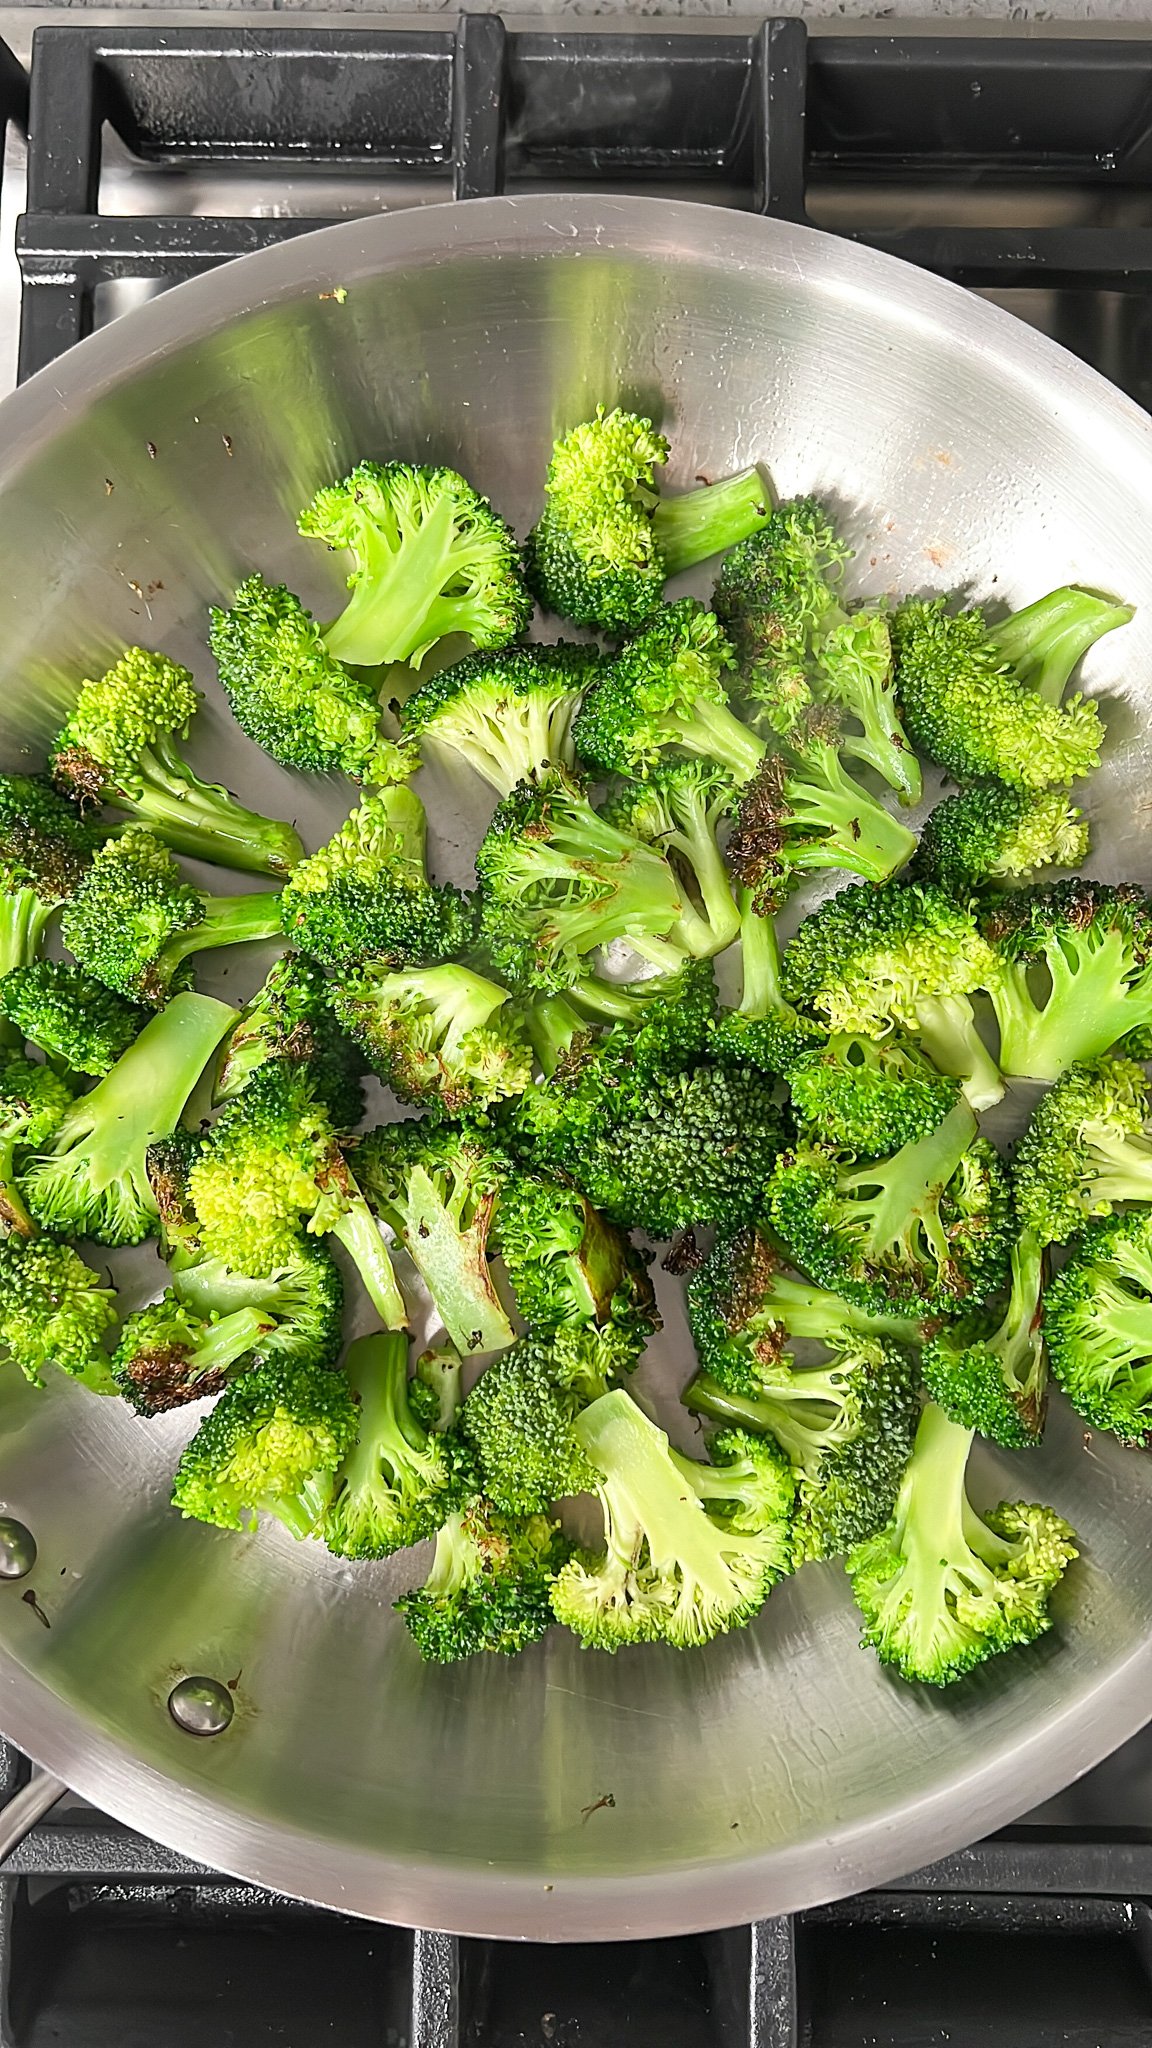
column 393, row 1471
column 761, row 995
column 946, row 1028
column 1119, row 1166
column 696, row 524
column 1089, row 1007
column 345, row 1215
column 451, row 1258
column 807, row 1410
column 848, row 828
column 805, row 1310
column 714, row 732
column 694, row 853
column 93, row 1178
column 202, row 819
column 1044, row 641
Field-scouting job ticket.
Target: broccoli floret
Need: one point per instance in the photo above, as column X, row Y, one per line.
column 437, row 1386
column 567, row 1265
column 45, row 849
column 664, row 694
column 271, row 1445
column 681, row 1563
column 33, row 1104
column 91, row 1179
column 989, row 833
column 1087, row 1147
column 439, row 1036
column 900, row 954
column 559, row 880
column 507, row 715
column 1098, row 1325
column 520, row 1415
column 846, row 1426
column 170, row 1354
column 397, row 1482
column 743, row 1305
column 436, row 1186
column 430, row 558
column 119, row 747
column 55, row 1311
column 302, row 1304
column 272, row 1166
column 1072, row 974
column 764, row 1030
column 989, row 700
column 291, row 1017
column 659, row 1025
column 928, row 1229
column 943, row 1587
column 71, row 1015
column 606, row 542
column 291, row 696
column 679, row 810
column 777, row 597
column 366, row 895
column 660, row 1154
column 869, row 1095
column 991, row 1374
column 489, row 1588
column 134, row 922
column 802, row 812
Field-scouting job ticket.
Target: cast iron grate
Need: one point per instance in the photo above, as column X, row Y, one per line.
column 769, row 115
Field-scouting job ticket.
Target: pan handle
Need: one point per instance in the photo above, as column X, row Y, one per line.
column 26, row 1807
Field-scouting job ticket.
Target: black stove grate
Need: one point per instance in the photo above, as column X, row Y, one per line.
column 771, row 117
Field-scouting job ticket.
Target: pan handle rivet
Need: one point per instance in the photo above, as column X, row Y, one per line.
column 17, row 1549
column 201, row 1706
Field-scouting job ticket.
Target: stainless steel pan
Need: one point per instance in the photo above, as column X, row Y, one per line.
column 138, row 478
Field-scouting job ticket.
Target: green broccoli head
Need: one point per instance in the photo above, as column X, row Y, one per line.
column 54, row 1310
column 679, row 810
column 489, row 1588
column 273, row 1445
column 169, row 1353
column 803, row 812
column 366, row 895
column 989, row 1371
column 989, row 700
column 430, row 559
column 567, row 1265
column 925, row 1230
column 71, row 1015
column 869, row 1095
column 443, row 1037
column 292, row 1017
column 943, row 1588
column 559, row 880
column 991, row 833
column 520, row 1417
column 301, row 1305
column 119, row 747
column 291, row 696
column 33, row 1104
column 1072, row 972
column 690, row 1550
column 508, row 715
column 1086, row 1148
column 1098, row 1325
column 45, row 843
column 398, row 1482
column 436, row 1185
column 134, row 922
column 664, row 694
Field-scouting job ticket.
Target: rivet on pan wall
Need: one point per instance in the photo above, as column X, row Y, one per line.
column 201, row 1706
column 17, row 1549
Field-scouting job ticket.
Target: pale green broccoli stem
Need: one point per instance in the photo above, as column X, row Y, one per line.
column 808, row 1414
column 855, row 656
column 1044, row 642
column 708, row 932
column 142, row 1099
column 350, row 1221
column 714, row 732
column 946, row 1028
column 452, row 1560
column 1018, row 1341
column 867, row 840
column 451, row 1258
column 301, row 1512
column 227, row 921
column 24, row 919
column 1121, row 1166
column 645, row 1500
column 696, row 524
column 203, row 820
column 909, row 1186
column 460, row 1002
column 552, row 1025
column 377, row 1371
column 760, row 996
column 1083, row 1016
column 809, row 1311
column 606, row 1002
column 223, row 1342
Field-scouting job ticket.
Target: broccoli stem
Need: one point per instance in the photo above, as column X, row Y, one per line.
column 905, row 1190
column 12, row 1210
column 806, row 1417
column 1044, row 641
column 397, row 609
column 354, row 1226
column 227, row 921
column 452, row 1262
column 696, row 524
column 225, row 1341
column 552, row 1024
column 1087, row 1011
column 946, row 1028
column 452, row 1560
column 24, row 919
column 300, row 1513
column 714, row 732
column 377, row 1372
column 203, row 820
column 645, row 1500
column 1121, row 1167
column 760, row 996
column 696, row 858
column 856, row 673
column 607, row 1002
column 806, row 1310
column 1018, row 1343
column 844, row 827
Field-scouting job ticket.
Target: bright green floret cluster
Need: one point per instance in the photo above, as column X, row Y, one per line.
column 991, row 834
column 1098, row 1325
column 273, row 1444
column 74, row 1018
column 365, row 895
column 507, row 715
column 54, row 1310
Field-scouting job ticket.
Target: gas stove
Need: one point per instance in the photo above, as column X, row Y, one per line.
column 1021, row 167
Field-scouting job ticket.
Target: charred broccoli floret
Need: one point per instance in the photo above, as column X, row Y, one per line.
column 1072, row 974
column 567, row 1265
column 443, row 1037
column 1098, row 1325
column 119, row 747
column 170, row 1354
column 990, row 833
column 606, row 542
column 70, row 1015
column 507, row 715
column 928, row 1229
column 290, row 694
column 489, row 1588
column 366, row 895
column 430, row 558
column 45, row 849
column 991, row 1373
column 989, row 700
column 291, row 1018
column 272, row 1445
column 436, row 1187
column 664, row 695
column 943, row 1587
column 54, row 1310
column 134, row 922
column 802, row 812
